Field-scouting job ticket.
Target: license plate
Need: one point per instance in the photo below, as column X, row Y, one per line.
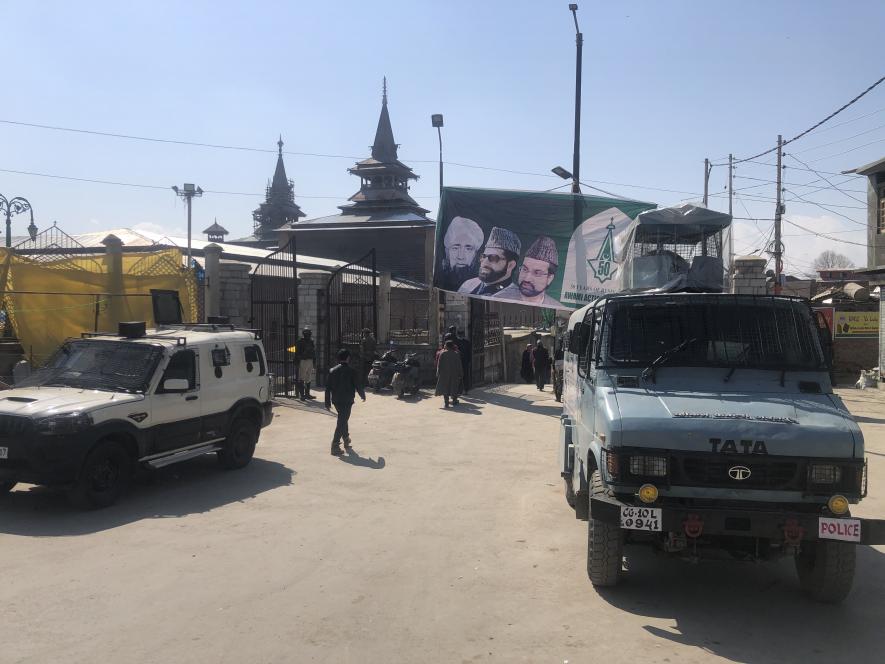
column 847, row 530
column 641, row 518
column 4, row 452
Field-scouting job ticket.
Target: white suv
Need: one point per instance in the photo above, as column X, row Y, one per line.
column 105, row 404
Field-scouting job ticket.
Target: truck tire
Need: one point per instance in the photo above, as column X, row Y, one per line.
column 6, row 487
column 826, row 570
column 105, row 475
column 605, row 545
column 239, row 446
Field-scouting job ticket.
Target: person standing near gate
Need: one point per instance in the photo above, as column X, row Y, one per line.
column 541, row 364
column 305, row 355
column 368, row 348
column 342, row 385
column 448, row 374
column 465, row 349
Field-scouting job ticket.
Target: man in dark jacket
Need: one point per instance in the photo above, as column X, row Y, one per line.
column 342, row 385
column 305, row 356
column 541, row 365
column 465, row 350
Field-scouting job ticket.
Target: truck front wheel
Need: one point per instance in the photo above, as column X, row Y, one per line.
column 605, row 544
column 826, row 570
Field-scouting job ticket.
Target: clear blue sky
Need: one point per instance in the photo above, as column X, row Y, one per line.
column 665, row 85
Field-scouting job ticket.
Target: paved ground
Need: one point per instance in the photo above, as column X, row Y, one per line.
column 445, row 539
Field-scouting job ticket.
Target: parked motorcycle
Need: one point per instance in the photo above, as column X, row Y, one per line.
column 381, row 373
column 407, row 377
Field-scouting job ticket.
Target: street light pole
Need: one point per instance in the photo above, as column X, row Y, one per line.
column 188, row 191
column 13, row 206
column 576, row 165
column 437, row 121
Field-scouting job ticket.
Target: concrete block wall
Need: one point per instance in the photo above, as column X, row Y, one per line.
column 235, row 300
column 749, row 276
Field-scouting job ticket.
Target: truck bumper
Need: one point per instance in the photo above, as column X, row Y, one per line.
column 771, row 524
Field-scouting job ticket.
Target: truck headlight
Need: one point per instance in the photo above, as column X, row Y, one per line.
column 63, row 423
column 824, row 473
column 648, row 466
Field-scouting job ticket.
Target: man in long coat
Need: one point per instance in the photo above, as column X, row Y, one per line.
column 541, row 365
column 448, row 374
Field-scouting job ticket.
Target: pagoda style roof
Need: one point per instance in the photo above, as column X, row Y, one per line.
column 216, row 229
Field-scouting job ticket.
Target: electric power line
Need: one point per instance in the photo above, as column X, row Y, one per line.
column 823, row 235
column 810, row 129
column 794, row 157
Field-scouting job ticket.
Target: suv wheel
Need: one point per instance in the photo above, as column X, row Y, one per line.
column 104, row 477
column 826, row 570
column 605, row 544
column 240, row 445
column 6, row 487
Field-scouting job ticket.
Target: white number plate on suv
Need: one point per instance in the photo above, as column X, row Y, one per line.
column 641, row 518
column 4, row 452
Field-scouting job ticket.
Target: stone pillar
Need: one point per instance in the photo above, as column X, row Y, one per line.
column 212, row 253
column 113, row 263
column 384, row 308
column 749, row 276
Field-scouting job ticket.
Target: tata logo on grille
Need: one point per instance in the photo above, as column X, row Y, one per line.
column 739, row 473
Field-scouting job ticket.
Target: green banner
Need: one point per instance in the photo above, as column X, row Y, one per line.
column 541, row 249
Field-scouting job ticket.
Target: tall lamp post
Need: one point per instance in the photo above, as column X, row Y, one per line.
column 576, row 165
column 13, row 206
column 437, row 121
column 188, row 191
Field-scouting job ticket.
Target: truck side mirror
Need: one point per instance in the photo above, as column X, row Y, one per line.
column 176, row 385
column 825, row 334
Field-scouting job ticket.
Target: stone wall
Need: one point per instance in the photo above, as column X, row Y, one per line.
column 235, row 300
column 749, row 276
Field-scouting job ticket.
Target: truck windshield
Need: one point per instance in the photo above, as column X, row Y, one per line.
column 116, row 366
column 725, row 331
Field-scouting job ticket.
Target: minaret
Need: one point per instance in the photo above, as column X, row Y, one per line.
column 279, row 208
column 384, row 179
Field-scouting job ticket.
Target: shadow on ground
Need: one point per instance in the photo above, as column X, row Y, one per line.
column 354, row 459
column 186, row 488
column 747, row 612
column 539, row 402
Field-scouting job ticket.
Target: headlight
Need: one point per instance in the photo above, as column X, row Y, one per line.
column 824, row 473
column 63, row 424
column 648, row 466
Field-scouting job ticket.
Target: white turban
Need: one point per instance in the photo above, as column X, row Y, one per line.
column 466, row 226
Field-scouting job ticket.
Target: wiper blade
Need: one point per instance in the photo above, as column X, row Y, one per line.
column 650, row 370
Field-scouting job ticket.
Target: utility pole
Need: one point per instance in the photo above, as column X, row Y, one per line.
column 437, row 121
column 576, row 163
column 730, row 210
column 706, row 182
column 778, row 211
column 187, row 192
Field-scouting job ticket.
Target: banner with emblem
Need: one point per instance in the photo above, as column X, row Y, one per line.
column 552, row 250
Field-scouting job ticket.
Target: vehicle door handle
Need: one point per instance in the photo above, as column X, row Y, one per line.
column 192, row 397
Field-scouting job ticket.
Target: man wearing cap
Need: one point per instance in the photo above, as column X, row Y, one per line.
column 496, row 264
column 535, row 276
column 462, row 242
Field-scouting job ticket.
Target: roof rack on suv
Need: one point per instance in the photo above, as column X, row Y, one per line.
column 179, row 341
column 209, row 327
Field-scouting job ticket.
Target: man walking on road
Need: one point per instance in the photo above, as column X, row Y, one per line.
column 341, row 387
column 448, row 374
column 541, row 363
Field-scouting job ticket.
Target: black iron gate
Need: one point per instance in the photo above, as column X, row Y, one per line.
column 274, row 286
column 351, row 306
column 477, row 318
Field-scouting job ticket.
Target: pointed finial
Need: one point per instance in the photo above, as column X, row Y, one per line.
column 280, row 144
column 384, row 92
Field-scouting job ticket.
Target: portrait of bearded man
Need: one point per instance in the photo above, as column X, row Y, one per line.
column 460, row 261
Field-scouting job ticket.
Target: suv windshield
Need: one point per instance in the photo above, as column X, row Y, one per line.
column 117, row 366
column 752, row 332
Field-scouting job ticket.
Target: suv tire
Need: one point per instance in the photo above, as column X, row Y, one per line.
column 105, row 475
column 6, row 486
column 605, row 544
column 239, row 446
column 826, row 570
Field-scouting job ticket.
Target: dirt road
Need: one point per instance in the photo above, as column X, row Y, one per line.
column 446, row 538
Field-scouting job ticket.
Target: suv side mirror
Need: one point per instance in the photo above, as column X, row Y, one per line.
column 176, row 385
